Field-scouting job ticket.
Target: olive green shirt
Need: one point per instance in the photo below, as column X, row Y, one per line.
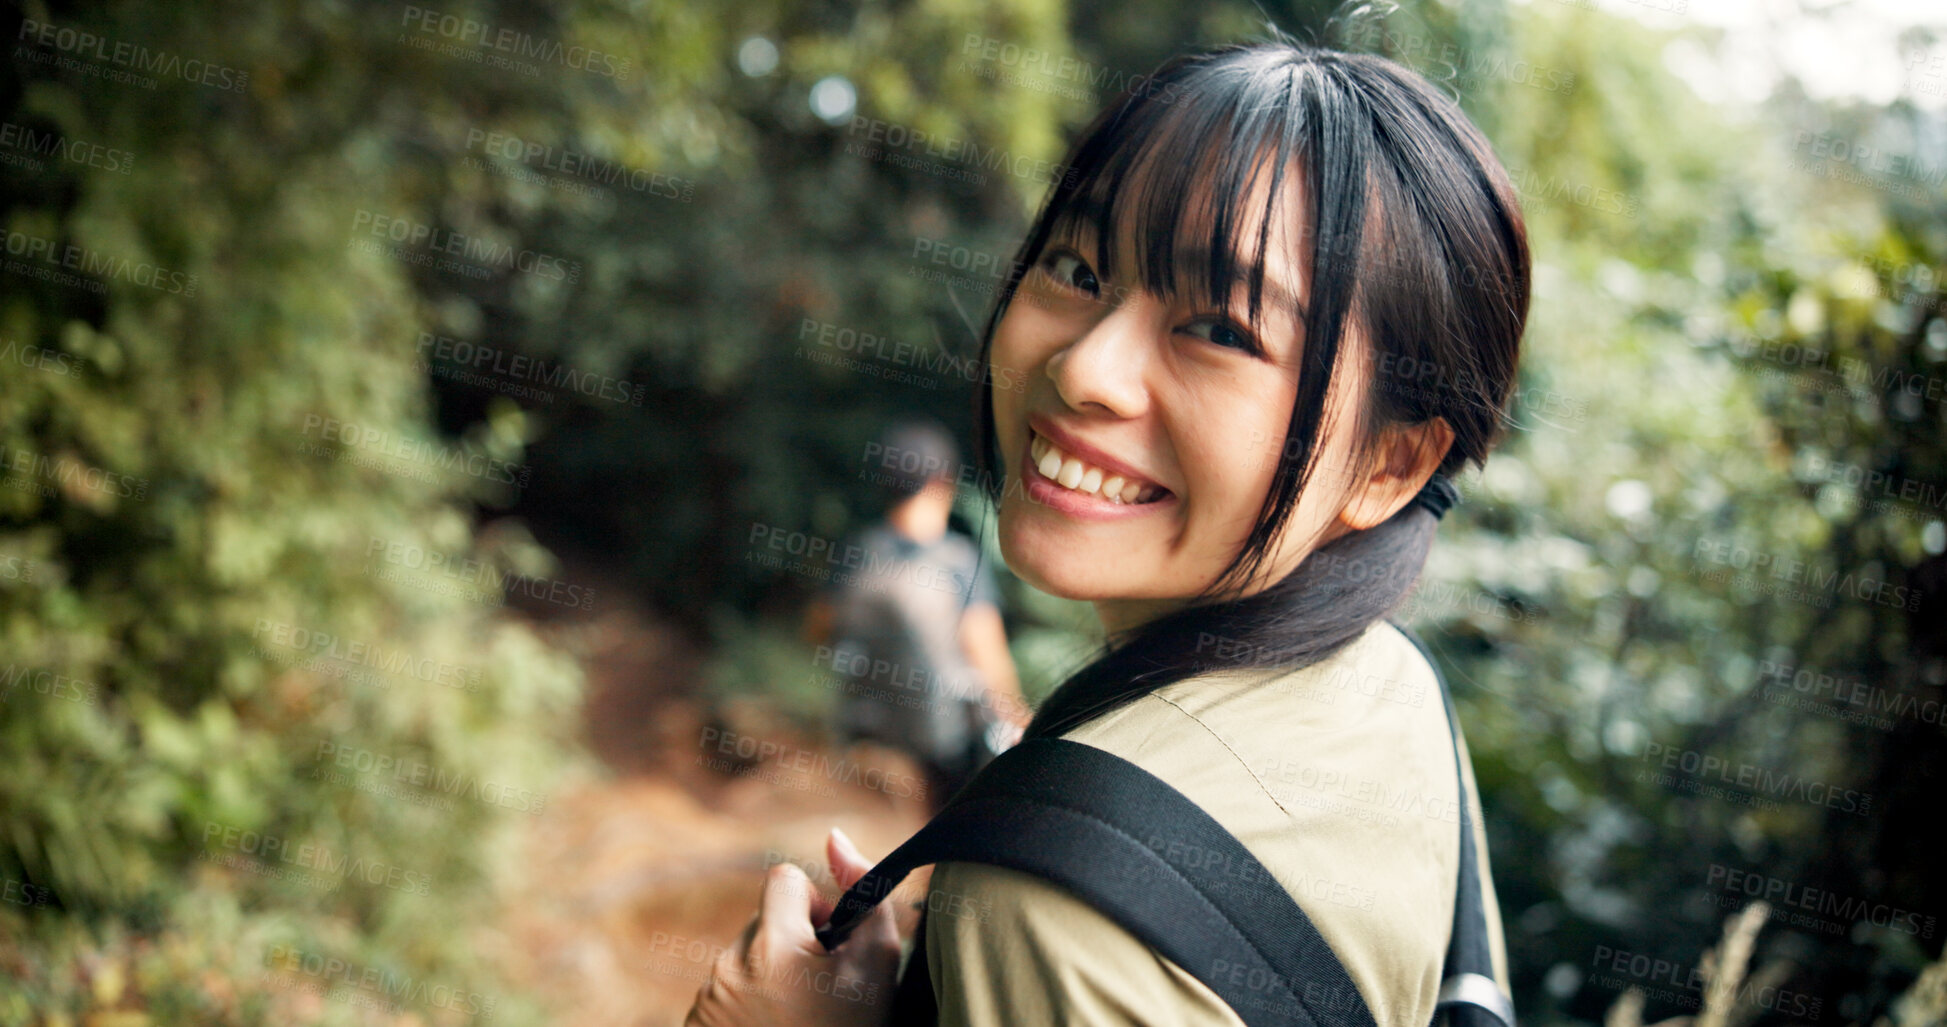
column 1339, row 778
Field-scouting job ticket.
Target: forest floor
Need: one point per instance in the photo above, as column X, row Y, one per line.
column 631, row 885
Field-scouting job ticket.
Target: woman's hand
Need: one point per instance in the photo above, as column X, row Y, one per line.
column 778, row 974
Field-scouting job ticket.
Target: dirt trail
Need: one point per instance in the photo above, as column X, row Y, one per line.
column 630, row 887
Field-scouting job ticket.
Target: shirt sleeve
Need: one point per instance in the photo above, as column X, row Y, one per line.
column 1005, row 947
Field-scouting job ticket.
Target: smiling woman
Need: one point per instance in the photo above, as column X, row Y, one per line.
column 1211, row 448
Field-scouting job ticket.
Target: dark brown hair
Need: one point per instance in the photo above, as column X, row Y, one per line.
column 1412, row 234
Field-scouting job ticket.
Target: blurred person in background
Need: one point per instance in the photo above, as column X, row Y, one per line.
column 913, row 626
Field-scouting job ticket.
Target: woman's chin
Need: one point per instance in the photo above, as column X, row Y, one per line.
column 1063, row 561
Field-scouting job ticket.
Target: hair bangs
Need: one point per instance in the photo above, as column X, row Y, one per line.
column 1197, row 228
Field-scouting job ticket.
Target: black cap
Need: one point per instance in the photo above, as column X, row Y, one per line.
column 912, row 453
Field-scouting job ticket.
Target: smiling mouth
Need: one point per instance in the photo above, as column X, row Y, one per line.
column 1078, row 475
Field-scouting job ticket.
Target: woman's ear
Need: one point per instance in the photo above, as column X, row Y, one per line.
column 1407, row 456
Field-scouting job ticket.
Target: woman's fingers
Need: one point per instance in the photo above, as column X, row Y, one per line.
column 821, row 908
column 847, row 867
column 845, row 860
column 784, row 912
column 872, row 950
column 757, row 982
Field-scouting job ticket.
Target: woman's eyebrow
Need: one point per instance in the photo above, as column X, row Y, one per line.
column 1073, row 228
column 1277, row 293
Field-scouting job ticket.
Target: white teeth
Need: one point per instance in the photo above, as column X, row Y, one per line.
column 1050, row 463
column 1070, row 473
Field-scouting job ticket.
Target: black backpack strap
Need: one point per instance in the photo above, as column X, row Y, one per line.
column 1469, row 995
column 1138, row 850
column 1144, row 855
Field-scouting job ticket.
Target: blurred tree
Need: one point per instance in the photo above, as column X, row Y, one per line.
column 223, row 509
column 648, row 277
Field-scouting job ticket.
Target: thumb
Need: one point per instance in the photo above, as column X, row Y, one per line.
column 784, row 910
column 847, row 863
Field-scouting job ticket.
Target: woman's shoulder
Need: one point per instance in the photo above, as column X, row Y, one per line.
column 1006, row 947
column 1340, row 779
column 1374, row 707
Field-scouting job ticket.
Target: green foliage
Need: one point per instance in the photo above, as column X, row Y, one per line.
column 200, row 615
column 175, row 508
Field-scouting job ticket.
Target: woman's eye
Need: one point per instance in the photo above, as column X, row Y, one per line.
column 1072, row 272
column 1224, row 333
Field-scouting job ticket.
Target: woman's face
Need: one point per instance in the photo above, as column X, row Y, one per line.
column 1141, row 450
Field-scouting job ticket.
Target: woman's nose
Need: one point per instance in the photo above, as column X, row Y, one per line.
column 1105, row 370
